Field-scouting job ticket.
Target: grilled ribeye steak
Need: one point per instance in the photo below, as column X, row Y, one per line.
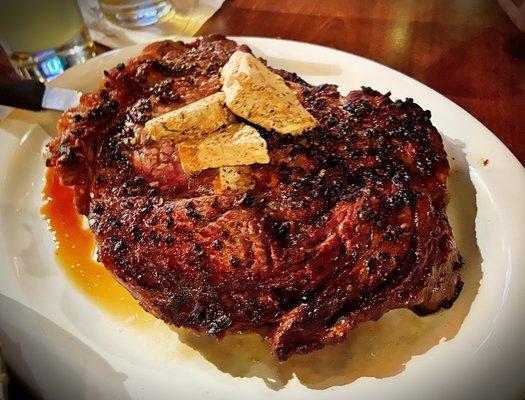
column 345, row 223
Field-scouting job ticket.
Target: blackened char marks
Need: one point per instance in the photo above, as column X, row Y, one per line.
column 346, row 222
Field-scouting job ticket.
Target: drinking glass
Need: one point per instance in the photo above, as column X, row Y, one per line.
column 43, row 38
column 136, row 13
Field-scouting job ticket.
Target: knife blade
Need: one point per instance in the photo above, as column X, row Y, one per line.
column 35, row 96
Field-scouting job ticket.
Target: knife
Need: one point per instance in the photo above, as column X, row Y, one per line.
column 36, row 96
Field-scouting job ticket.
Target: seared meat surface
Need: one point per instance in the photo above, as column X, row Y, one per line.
column 345, row 223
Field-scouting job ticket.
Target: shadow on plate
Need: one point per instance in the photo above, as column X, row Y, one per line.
column 39, row 351
column 374, row 349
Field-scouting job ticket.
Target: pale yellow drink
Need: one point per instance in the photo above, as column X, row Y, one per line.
column 43, row 37
column 35, row 25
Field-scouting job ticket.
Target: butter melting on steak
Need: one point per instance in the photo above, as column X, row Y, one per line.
column 345, row 223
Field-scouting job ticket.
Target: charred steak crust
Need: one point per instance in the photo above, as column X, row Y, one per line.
column 345, row 223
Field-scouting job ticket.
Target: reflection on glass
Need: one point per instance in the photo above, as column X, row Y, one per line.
column 134, row 13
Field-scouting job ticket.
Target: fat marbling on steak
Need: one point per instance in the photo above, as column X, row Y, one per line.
column 345, row 223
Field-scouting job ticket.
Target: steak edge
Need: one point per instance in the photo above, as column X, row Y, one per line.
column 346, row 222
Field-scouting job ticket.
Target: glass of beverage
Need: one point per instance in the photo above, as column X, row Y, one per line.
column 136, row 13
column 43, row 38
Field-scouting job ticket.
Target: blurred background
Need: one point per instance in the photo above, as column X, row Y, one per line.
column 471, row 51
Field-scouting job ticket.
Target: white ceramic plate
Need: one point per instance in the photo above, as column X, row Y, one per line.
column 64, row 346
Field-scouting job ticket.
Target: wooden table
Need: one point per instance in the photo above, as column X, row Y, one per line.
column 468, row 50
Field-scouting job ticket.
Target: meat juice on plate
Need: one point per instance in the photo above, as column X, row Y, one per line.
column 75, row 253
column 375, row 349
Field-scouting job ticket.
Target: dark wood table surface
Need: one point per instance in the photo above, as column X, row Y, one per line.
column 468, row 50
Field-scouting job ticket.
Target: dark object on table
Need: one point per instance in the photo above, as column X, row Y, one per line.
column 16, row 389
column 345, row 223
column 36, row 96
